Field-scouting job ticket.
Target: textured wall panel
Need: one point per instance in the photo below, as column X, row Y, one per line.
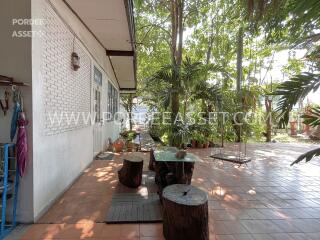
column 66, row 92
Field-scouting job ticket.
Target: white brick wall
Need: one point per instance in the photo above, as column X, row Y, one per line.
column 65, row 91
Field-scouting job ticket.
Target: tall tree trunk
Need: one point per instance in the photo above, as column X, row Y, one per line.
column 239, row 59
column 210, row 43
column 176, row 55
column 239, row 79
column 180, row 33
column 185, row 105
column 205, row 107
column 268, row 104
column 174, row 29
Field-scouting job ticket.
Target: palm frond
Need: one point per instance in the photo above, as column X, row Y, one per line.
column 291, row 91
column 190, row 72
column 307, row 156
column 308, row 10
column 214, row 68
column 312, row 118
column 166, row 75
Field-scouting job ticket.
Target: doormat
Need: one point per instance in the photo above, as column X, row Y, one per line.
column 141, row 205
column 105, row 156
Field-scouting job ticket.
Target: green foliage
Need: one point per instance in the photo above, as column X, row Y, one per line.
column 307, row 156
column 293, row 67
column 284, row 21
column 182, row 133
column 208, row 75
column 298, row 87
column 312, row 118
column 129, row 135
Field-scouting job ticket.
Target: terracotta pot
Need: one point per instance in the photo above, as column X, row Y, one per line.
column 130, row 147
column 199, row 145
column 307, row 129
column 193, row 143
column 118, row 146
column 293, row 128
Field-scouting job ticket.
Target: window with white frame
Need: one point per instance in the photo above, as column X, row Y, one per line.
column 112, row 100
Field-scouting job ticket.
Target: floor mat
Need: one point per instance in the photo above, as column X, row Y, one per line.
column 105, row 156
column 140, row 205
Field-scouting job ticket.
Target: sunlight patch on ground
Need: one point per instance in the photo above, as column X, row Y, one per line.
column 231, row 197
column 252, row 192
column 143, row 192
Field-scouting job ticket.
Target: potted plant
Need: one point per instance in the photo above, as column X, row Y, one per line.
column 195, row 135
column 181, row 135
column 118, row 145
column 206, row 144
column 293, row 128
column 129, row 136
column 200, row 140
column 194, row 140
column 130, row 146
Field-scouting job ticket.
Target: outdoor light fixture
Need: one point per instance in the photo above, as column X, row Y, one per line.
column 75, row 61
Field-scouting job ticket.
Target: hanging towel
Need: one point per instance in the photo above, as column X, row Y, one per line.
column 22, row 147
column 14, row 120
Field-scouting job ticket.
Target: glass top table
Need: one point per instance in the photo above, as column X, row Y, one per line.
column 168, row 154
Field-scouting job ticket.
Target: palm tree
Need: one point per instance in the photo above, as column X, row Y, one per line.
column 193, row 75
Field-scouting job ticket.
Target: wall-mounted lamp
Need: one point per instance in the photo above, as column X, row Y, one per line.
column 75, row 61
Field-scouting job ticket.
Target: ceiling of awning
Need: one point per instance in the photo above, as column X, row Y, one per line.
column 111, row 22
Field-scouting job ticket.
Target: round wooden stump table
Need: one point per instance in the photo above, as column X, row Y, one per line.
column 185, row 213
column 130, row 174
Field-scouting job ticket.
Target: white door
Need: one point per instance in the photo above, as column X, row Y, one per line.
column 97, row 128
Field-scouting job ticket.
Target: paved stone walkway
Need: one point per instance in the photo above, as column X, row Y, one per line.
column 266, row 200
column 146, row 140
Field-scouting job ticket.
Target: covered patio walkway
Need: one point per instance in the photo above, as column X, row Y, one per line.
column 267, row 199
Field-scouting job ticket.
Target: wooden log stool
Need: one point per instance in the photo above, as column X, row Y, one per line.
column 168, row 173
column 185, row 213
column 130, row 174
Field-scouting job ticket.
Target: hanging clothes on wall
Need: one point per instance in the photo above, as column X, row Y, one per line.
column 19, row 122
column 16, row 112
column 22, row 143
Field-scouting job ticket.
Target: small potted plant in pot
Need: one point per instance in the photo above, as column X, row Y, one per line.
column 194, row 140
column 130, row 146
column 206, row 132
column 118, row 145
column 181, row 135
column 206, row 144
column 200, row 140
column 194, row 134
column 128, row 137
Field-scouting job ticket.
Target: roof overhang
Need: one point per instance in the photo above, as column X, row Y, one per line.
column 112, row 24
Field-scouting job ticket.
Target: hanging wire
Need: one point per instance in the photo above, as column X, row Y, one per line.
column 73, row 42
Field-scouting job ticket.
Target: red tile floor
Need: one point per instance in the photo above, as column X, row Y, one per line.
column 267, row 199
